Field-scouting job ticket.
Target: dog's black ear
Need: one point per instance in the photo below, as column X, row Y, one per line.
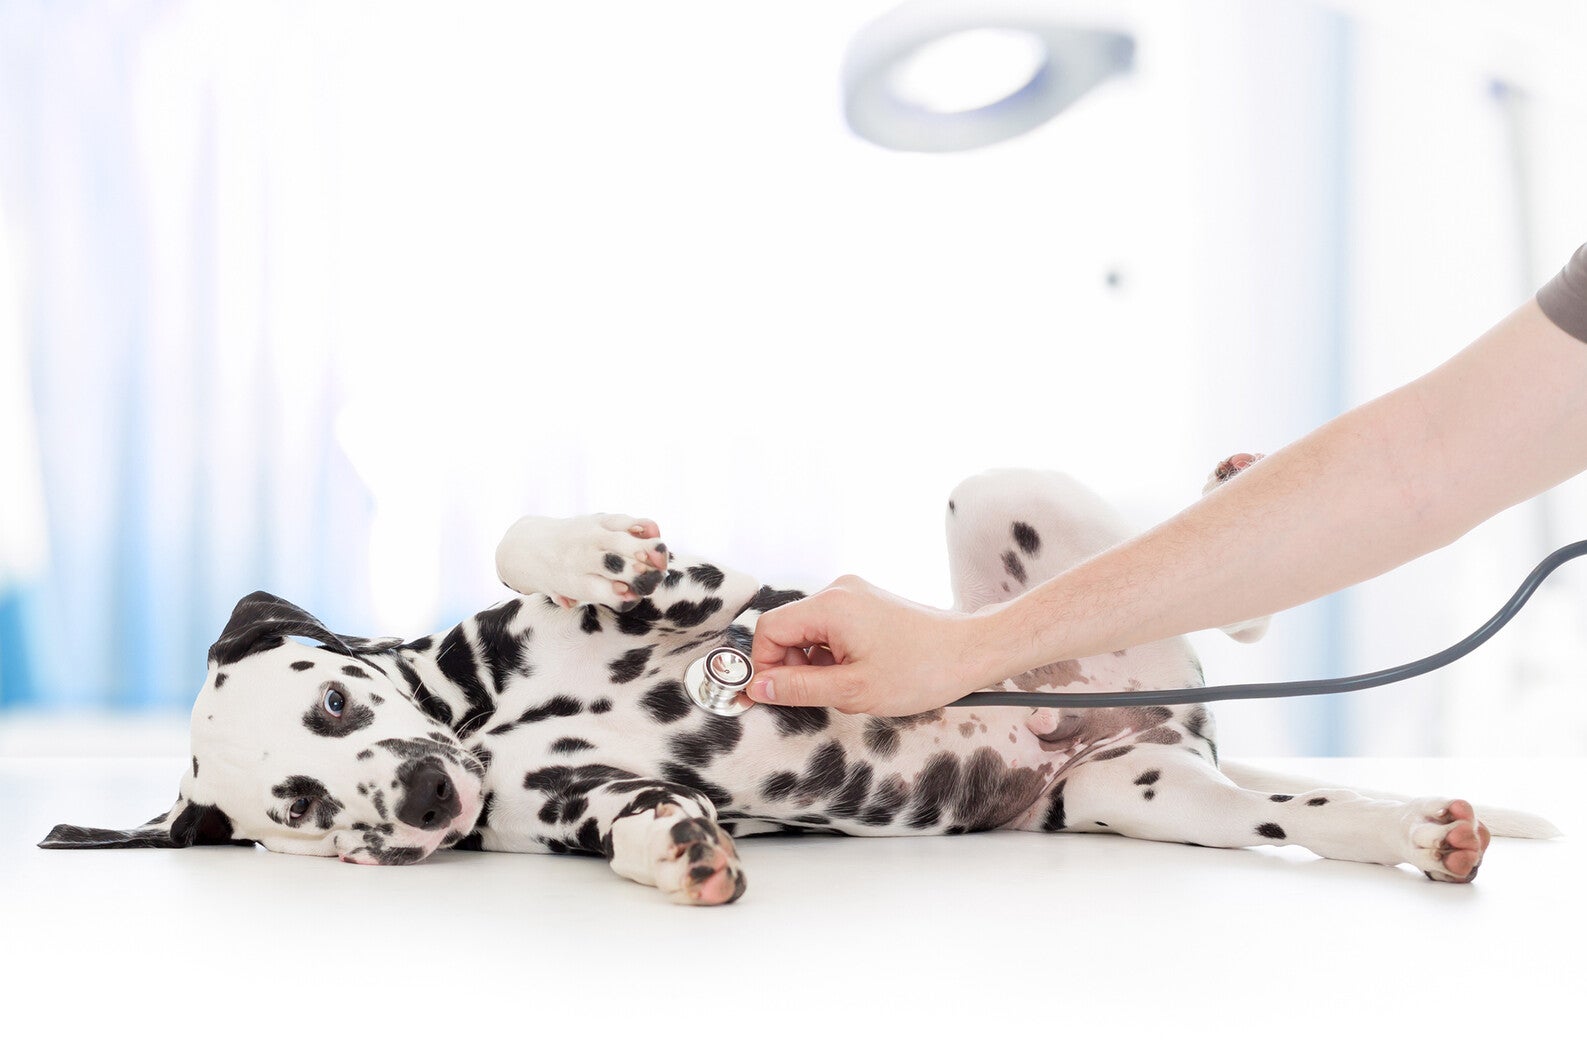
column 262, row 621
column 186, row 824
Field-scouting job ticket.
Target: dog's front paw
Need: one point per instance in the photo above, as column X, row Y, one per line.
column 1448, row 840
column 598, row 559
column 694, row 861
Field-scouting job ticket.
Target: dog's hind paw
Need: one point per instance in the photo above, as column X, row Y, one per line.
column 1450, row 841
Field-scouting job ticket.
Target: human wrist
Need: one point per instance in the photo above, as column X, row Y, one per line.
column 986, row 646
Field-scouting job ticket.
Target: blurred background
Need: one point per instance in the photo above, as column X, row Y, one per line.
column 319, row 298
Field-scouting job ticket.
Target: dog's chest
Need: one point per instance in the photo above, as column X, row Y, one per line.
column 815, row 769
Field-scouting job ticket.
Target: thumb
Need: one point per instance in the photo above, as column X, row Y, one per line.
column 807, row 686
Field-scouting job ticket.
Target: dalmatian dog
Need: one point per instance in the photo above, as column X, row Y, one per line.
column 557, row 721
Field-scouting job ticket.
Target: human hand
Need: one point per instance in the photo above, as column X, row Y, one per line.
column 859, row 649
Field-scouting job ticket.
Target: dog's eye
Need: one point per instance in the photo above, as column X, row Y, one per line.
column 334, row 703
column 299, row 807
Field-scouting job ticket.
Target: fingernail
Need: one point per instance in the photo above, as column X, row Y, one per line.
column 761, row 689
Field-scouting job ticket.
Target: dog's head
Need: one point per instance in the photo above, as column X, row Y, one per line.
column 310, row 749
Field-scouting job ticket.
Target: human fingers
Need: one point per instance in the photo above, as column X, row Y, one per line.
column 797, row 625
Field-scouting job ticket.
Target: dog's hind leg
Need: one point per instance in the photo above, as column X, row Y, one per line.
column 1009, row 530
column 1167, row 794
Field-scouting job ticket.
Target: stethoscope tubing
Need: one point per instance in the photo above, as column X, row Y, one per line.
column 1279, row 690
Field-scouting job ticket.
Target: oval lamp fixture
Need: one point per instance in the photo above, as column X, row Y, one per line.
column 935, row 76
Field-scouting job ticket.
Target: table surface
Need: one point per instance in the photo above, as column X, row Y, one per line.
column 919, row 940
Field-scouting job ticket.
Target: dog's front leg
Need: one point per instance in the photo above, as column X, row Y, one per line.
column 653, row 832
column 597, row 559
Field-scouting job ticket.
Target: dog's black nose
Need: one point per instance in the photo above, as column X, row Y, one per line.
column 429, row 798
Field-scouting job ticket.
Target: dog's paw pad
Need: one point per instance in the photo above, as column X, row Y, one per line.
column 699, row 864
column 1450, row 842
column 1228, row 469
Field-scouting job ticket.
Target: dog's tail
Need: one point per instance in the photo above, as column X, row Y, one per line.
column 1507, row 823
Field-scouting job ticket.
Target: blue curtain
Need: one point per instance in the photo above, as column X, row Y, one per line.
column 184, row 460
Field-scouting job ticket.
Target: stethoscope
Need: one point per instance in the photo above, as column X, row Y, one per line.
column 716, row 681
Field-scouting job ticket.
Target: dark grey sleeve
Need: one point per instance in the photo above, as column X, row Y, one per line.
column 1564, row 299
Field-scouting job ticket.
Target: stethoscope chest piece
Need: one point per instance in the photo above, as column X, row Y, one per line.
column 716, row 681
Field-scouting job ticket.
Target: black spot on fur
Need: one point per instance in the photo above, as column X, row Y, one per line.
column 738, row 636
column 767, row 599
column 667, row 702
column 569, row 744
column 613, row 563
column 689, row 778
column 565, row 781
column 435, row 707
column 639, row 618
column 707, row 576
column 590, row 620
column 693, row 614
column 853, row 793
column 1160, row 735
column 500, row 649
column 556, row 707
column 419, row 645
column 885, row 803
column 601, row 706
column 457, row 662
column 1026, row 538
column 937, row 784
column 589, row 839
column 779, row 786
column 799, row 721
column 354, row 671
column 1270, row 831
column 1316, row 802
column 1149, row 777
column 470, row 843
column 220, row 679
column 1112, row 752
column 717, row 736
column 628, row 667
column 1279, row 798
column 881, row 737
column 1055, row 810
column 951, row 507
column 824, row 773
column 302, row 665
column 1015, row 567
column 195, row 765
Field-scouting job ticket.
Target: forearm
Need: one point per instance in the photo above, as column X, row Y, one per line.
column 1380, row 485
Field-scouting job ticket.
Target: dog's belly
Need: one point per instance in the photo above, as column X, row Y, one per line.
column 947, row 771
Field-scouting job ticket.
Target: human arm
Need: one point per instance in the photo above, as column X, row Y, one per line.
column 1384, row 483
